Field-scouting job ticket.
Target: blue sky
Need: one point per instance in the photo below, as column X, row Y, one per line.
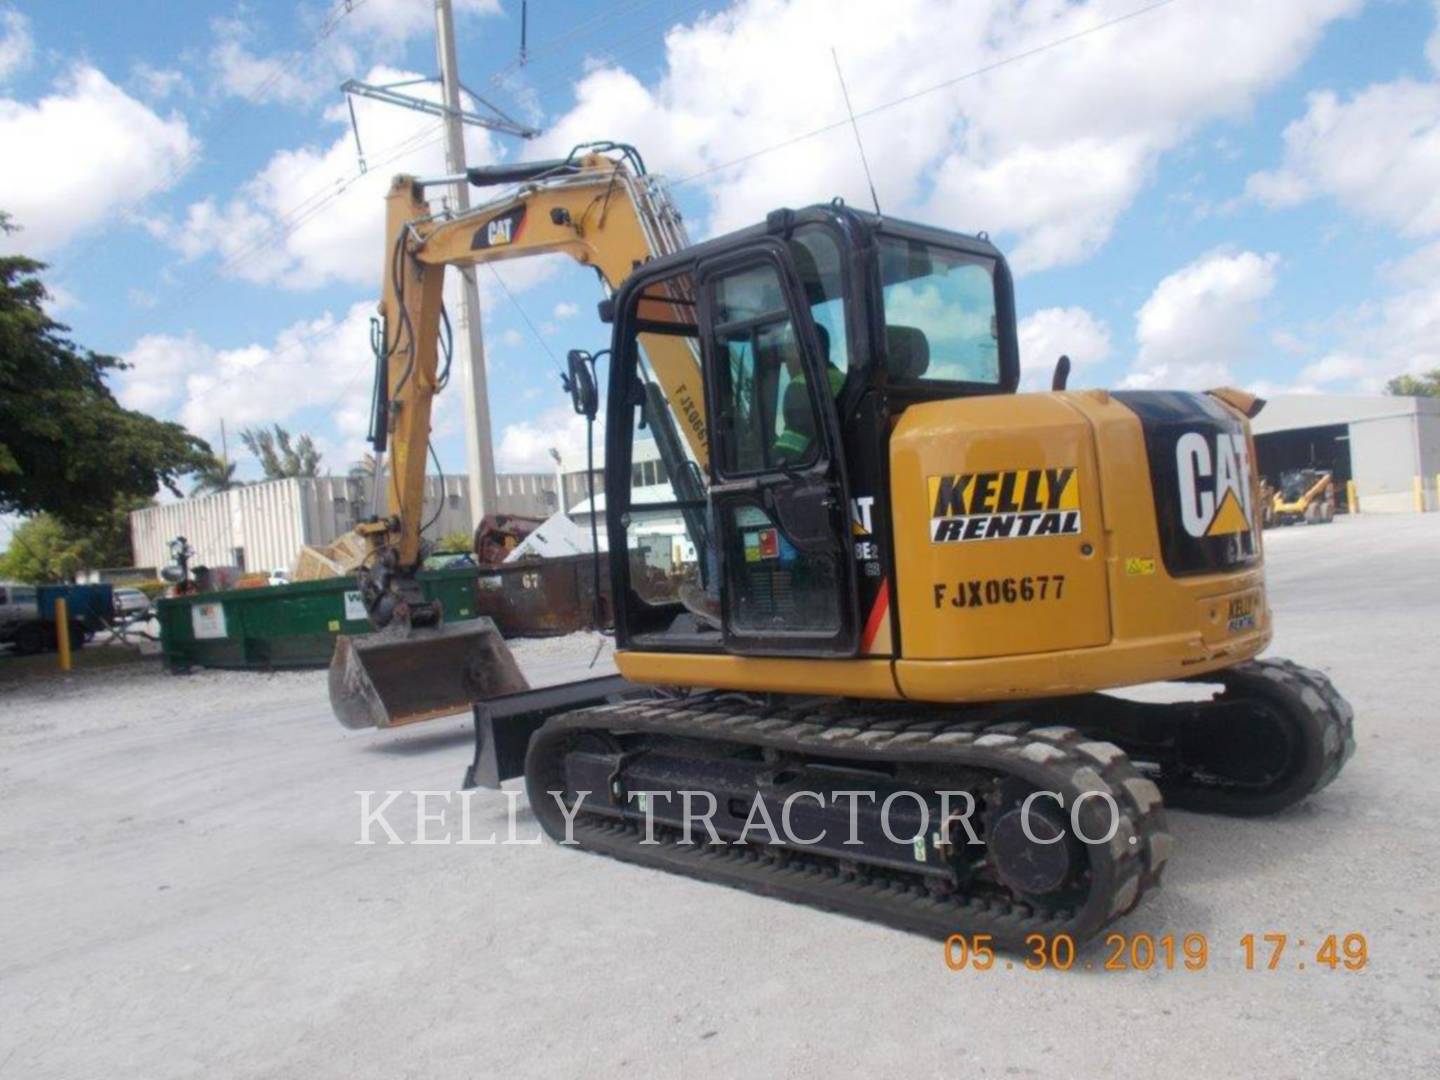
column 1209, row 191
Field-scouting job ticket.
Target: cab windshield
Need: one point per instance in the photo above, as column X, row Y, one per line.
column 940, row 318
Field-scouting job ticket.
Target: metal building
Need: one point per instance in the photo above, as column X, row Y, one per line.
column 261, row 527
column 1389, row 447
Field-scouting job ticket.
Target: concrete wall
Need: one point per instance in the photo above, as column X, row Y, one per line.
column 1383, row 463
column 575, row 490
column 530, row 494
column 1390, row 454
column 1428, row 435
column 205, row 522
column 267, row 523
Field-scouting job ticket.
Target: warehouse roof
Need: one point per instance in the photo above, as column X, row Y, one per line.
column 1287, row 412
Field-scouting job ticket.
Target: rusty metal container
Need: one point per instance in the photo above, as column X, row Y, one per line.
column 543, row 597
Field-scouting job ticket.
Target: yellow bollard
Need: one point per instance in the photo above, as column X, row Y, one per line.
column 1352, row 501
column 62, row 632
column 1419, row 495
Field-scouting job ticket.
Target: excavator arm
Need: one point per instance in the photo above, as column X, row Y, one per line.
column 593, row 209
column 601, row 211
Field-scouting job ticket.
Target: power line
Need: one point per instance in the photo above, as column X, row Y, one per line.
column 584, row 26
column 288, row 222
column 905, row 99
column 614, row 51
column 526, row 317
column 292, row 345
column 824, row 129
column 804, row 136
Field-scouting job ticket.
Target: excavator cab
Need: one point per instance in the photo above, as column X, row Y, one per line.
column 813, row 331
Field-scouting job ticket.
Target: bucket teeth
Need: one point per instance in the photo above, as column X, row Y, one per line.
column 402, row 675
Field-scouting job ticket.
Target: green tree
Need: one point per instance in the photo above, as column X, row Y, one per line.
column 67, row 447
column 280, row 454
column 46, row 549
column 1427, row 385
column 42, row 550
column 364, row 469
column 215, row 475
column 455, row 542
column 107, row 541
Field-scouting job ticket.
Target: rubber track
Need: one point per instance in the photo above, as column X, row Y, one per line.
column 1323, row 718
column 1049, row 757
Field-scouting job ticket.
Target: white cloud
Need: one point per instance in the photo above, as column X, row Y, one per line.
column 525, row 446
column 16, row 45
column 400, row 20
column 1287, row 341
column 1373, row 342
column 290, row 78
column 322, row 363
column 346, row 40
column 1416, row 268
column 1402, row 337
column 157, row 84
column 1377, row 154
column 60, row 300
column 1052, row 332
column 309, row 218
column 79, row 155
column 1432, row 47
column 1335, row 367
column 566, row 310
column 1048, row 150
column 1199, row 320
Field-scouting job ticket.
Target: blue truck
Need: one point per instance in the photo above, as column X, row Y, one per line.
column 27, row 614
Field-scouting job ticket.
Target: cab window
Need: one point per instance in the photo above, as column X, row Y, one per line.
column 767, row 414
column 940, row 313
column 816, row 254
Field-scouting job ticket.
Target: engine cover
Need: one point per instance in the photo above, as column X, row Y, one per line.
column 1204, row 481
column 1036, row 524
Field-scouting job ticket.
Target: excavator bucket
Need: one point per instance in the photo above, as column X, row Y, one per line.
column 401, row 675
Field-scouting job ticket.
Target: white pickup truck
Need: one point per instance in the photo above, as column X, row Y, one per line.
column 20, row 618
column 27, row 619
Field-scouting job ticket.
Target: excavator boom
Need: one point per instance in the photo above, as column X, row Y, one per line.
column 601, row 211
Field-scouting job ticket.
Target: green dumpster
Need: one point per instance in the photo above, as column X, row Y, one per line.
column 284, row 626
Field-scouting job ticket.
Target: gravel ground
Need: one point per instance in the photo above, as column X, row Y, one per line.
column 181, row 893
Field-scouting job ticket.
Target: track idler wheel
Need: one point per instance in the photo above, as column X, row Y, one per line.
column 1277, row 733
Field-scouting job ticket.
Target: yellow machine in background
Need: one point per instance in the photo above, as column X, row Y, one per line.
column 894, row 572
column 1306, row 495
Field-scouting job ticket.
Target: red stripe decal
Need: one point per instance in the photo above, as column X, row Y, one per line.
column 877, row 615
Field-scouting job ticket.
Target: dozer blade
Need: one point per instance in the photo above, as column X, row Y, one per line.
column 401, row 675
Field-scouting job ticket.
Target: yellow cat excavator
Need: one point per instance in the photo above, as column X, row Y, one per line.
column 878, row 597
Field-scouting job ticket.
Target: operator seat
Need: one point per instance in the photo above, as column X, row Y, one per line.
column 796, row 411
column 907, row 352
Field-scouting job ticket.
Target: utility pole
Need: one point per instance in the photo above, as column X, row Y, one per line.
column 478, row 447
column 484, row 114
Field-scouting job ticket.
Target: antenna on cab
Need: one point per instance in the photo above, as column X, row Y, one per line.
column 856, row 128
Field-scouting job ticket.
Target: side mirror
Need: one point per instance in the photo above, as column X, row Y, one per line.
column 579, row 382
